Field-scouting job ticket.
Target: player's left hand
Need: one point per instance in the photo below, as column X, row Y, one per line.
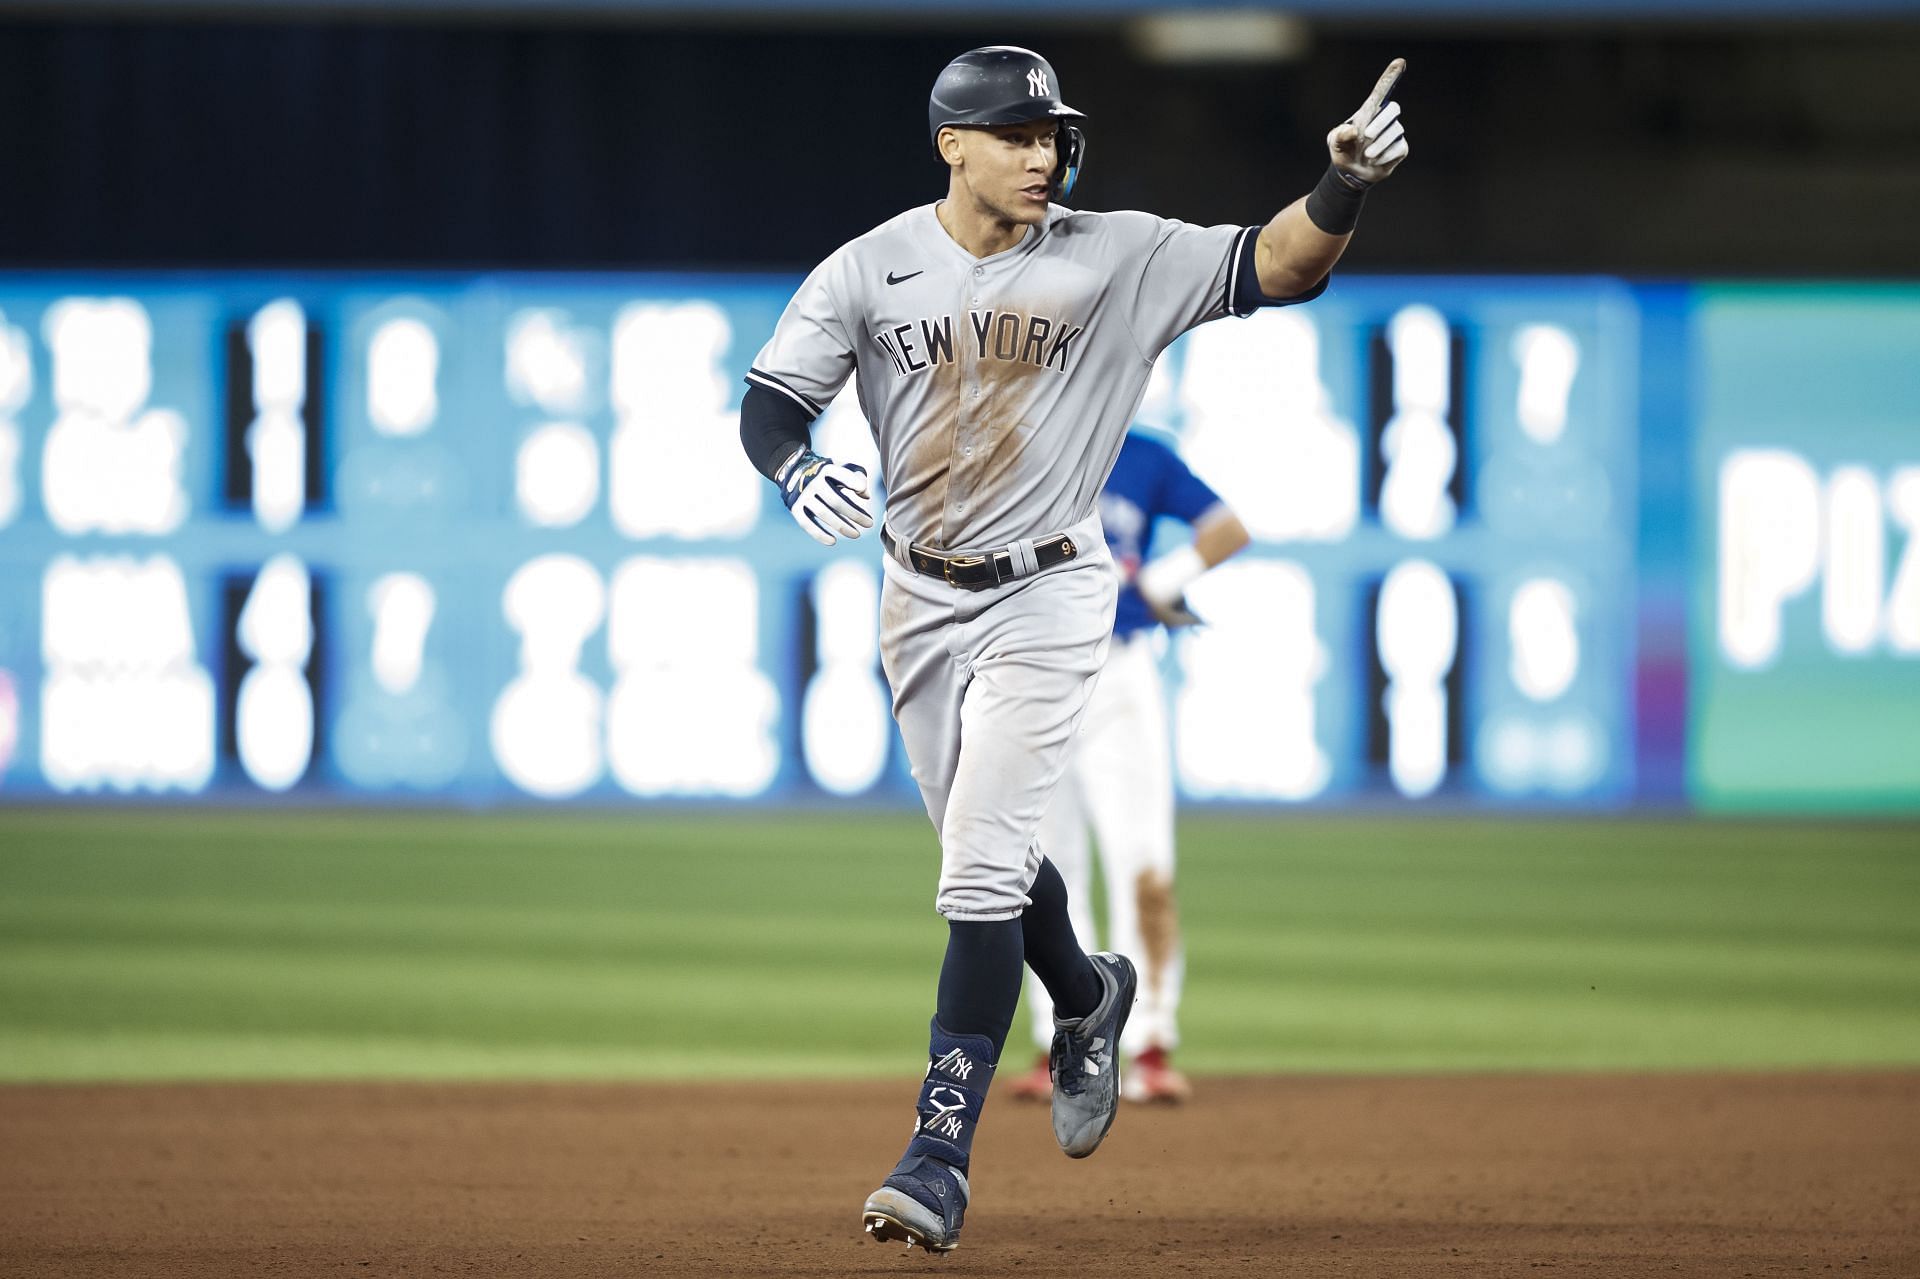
column 1370, row 144
column 826, row 498
column 1174, row 614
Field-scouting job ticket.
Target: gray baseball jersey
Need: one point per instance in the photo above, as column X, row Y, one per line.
column 999, row 388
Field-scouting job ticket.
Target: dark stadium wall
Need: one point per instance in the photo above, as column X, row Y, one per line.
column 1740, row 149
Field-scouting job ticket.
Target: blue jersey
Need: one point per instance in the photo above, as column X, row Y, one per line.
column 1149, row 483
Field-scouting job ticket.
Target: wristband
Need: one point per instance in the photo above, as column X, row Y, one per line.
column 787, row 463
column 1334, row 205
column 1163, row 581
column 795, row 472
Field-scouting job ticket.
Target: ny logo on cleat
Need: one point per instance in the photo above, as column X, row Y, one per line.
column 956, row 1064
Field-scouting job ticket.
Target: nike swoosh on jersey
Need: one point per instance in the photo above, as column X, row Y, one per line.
column 902, row 279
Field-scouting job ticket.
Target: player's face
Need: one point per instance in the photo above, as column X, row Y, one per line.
column 1009, row 168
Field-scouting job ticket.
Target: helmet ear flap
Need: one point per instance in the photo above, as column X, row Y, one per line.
column 1073, row 155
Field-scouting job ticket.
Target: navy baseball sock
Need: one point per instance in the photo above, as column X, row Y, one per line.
column 1053, row 952
column 980, row 979
column 959, row 1069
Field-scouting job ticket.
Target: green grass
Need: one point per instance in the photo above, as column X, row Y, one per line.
column 180, row 943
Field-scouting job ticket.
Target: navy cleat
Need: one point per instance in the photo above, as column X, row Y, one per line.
column 924, row 1198
column 922, row 1202
column 1085, row 1060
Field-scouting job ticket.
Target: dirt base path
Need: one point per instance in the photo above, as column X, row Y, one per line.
column 1576, row 1176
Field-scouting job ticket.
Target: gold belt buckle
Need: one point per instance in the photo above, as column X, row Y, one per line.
column 960, row 561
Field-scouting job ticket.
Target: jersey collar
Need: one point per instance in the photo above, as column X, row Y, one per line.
column 929, row 225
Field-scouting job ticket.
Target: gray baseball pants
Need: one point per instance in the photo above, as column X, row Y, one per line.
column 988, row 689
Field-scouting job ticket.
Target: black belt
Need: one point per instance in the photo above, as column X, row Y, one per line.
column 988, row 568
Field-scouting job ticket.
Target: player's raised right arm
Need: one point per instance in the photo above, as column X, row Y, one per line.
column 1300, row 245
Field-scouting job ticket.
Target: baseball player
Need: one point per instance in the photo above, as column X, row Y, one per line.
column 999, row 343
column 1120, row 778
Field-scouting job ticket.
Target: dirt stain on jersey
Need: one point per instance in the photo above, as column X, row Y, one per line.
column 1007, row 394
column 926, row 457
column 991, row 386
column 1010, row 437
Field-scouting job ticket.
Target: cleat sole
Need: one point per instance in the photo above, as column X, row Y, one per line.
column 888, row 1229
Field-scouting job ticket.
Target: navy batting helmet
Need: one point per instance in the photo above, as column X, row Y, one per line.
column 1003, row 84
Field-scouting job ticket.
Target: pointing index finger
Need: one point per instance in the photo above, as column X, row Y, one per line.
column 1381, row 90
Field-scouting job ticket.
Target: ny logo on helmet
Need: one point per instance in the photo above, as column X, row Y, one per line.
column 1036, row 83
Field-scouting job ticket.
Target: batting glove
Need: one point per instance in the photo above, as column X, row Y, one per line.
column 1370, row 144
column 824, row 497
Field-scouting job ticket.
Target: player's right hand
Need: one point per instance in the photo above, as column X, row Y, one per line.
column 825, row 498
column 1371, row 143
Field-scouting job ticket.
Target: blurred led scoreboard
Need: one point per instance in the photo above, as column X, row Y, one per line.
column 480, row 538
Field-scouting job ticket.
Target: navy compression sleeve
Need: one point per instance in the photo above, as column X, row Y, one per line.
column 771, row 427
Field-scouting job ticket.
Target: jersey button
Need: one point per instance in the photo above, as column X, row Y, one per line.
column 979, row 270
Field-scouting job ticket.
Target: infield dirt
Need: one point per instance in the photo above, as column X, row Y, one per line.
column 1600, row 1175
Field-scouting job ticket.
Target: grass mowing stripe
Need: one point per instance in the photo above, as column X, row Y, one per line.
column 190, row 1056
column 607, row 934
column 182, row 942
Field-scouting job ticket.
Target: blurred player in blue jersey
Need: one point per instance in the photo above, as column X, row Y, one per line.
column 1120, row 779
